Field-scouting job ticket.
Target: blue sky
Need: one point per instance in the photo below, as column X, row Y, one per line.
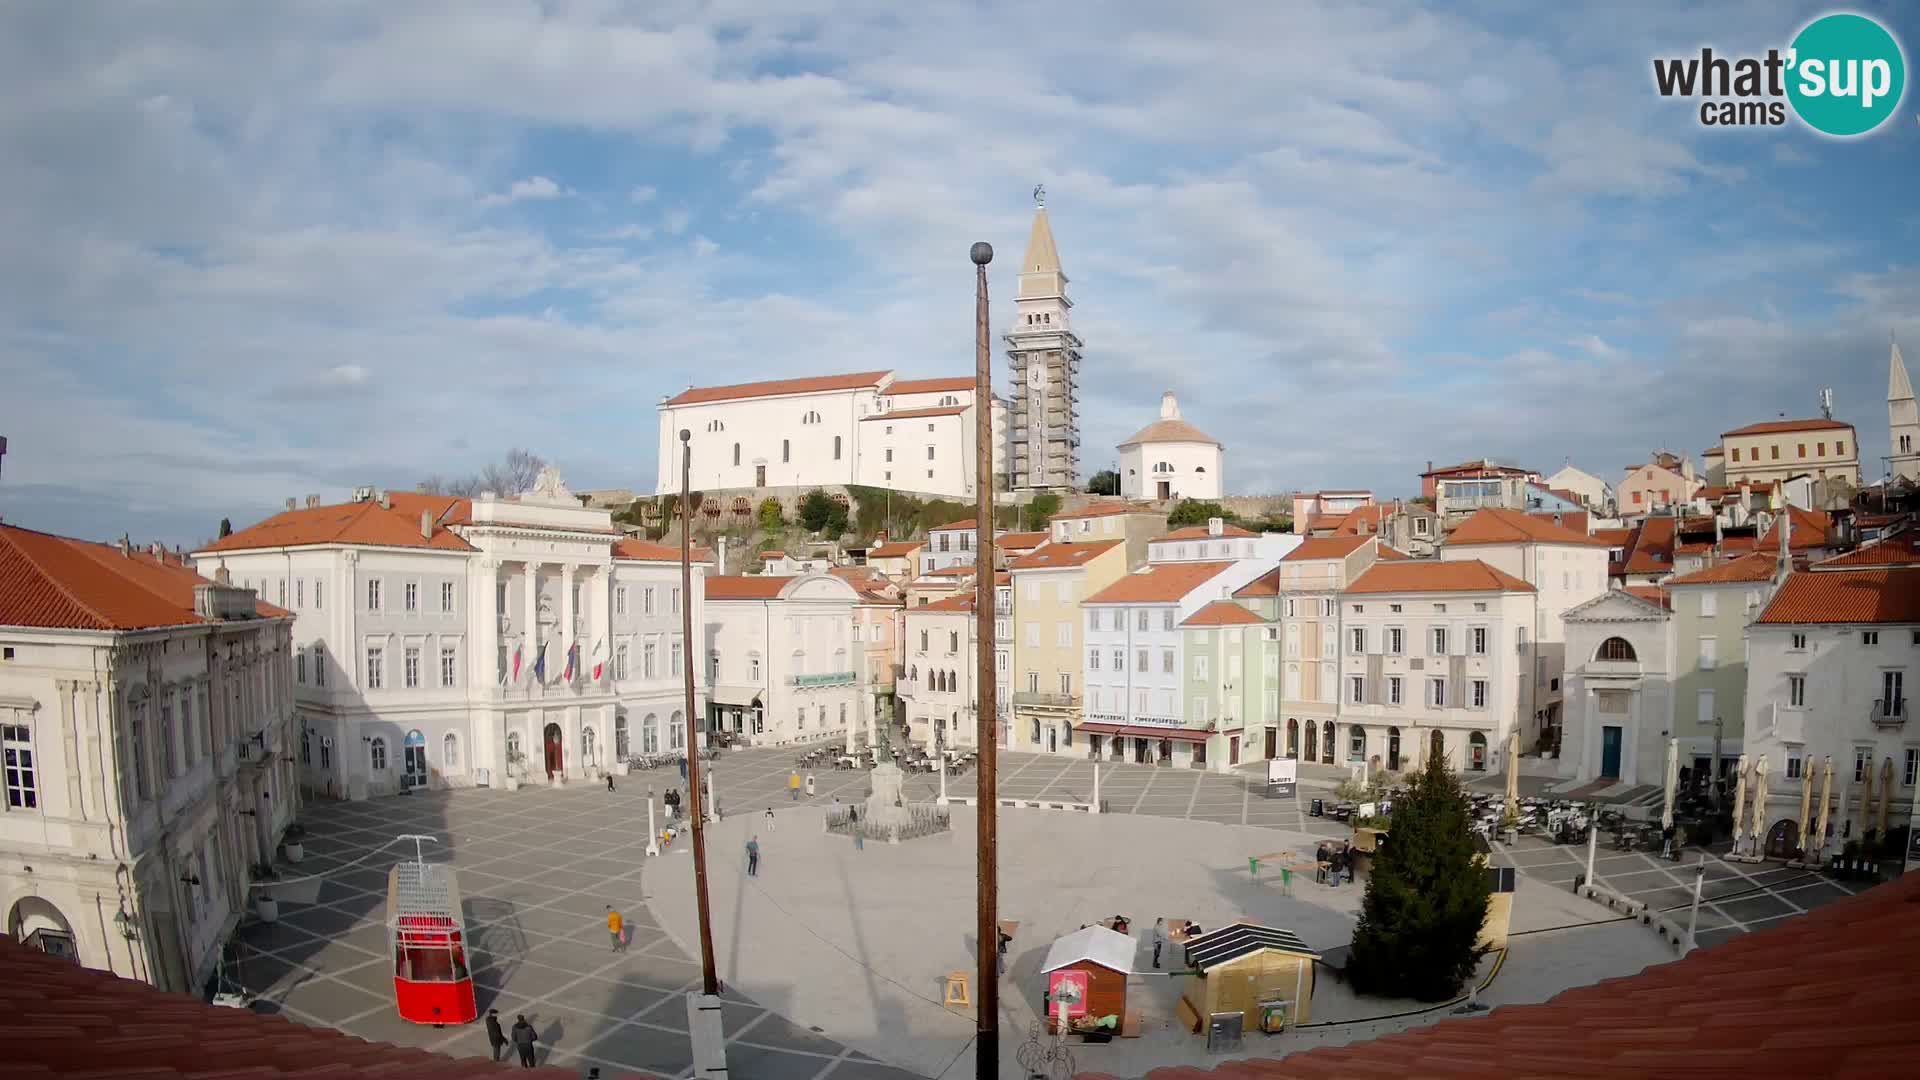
column 253, row 255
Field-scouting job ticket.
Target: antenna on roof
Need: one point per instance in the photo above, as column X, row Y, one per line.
column 1826, row 403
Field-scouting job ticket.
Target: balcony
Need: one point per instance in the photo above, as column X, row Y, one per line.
column 831, row 678
column 1046, row 701
column 1889, row 714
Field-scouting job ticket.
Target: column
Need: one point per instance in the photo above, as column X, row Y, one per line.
column 484, row 618
column 603, row 621
column 569, row 631
column 532, row 631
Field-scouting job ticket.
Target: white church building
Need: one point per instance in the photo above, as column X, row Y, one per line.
column 1172, row 459
column 870, row 428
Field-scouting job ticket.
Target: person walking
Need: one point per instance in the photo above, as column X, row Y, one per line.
column 809, row 785
column 1666, row 842
column 770, row 819
column 1159, row 940
column 683, row 766
column 523, row 1040
column 793, row 787
column 495, row 1037
column 616, row 927
column 753, row 856
column 853, row 824
column 609, row 779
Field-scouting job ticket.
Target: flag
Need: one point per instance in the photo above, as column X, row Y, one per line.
column 540, row 663
column 599, row 658
column 573, row 651
column 514, row 675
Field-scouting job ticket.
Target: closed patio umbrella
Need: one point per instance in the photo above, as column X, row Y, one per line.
column 1760, row 805
column 1826, row 805
column 1866, row 798
column 1739, row 801
column 1672, row 782
column 1513, row 772
column 1845, row 803
column 1806, row 810
column 1886, row 792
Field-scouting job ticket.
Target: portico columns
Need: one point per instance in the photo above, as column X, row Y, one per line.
column 486, row 624
column 533, row 613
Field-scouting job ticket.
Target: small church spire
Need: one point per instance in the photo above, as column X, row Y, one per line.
column 1899, row 387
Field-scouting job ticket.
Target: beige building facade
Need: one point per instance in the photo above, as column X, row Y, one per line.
column 1779, row 449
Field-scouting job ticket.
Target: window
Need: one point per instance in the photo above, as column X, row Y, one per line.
column 499, row 596
column 1912, row 770
column 373, row 594
column 1093, row 659
column 1290, row 608
column 620, row 662
column 300, row 666
column 1479, row 693
column 1166, row 662
column 1773, row 452
column 1356, row 743
column 923, row 639
column 1477, row 639
column 647, row 606
column 1616, row 650
column 1326, row 608
column 299, row 592
column 1199, row 667
column 836, row 448
column 1795, row 765
column 23, row 790
column 283, row 592
column 1893, row 693
column 1359, row 641
column 1033, row 683
column 377, row 754
column 953, row 642
column 1797, row 642
column 1166, row 619
column 1840, row 448
column 1869, row 637
column 786, row 450
column 449, row 666
column 411, row 669
column 1736, row 457
column 412, row 593
column 1396, row 640
column 1709, row 604
column 1803, row 449
column 376, row 667
column 1066, row 682
column 1704, row 708
column 1709, row 653
column 1439, row 641
column 1393, row 689
column 673, row 660
column 1437, row 693
column 1356, row 689
column 319, row 666
column 1797, row 691
column 620, row 600
column 1140, row 620
column 1862, row 762
column 929, row 451
column 446, row 596
column 650, row 661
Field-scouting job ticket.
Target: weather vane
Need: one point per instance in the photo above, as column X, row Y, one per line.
column 1040, row 195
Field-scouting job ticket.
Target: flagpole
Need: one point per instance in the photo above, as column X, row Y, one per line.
column 986, row 1046
column 709, row 981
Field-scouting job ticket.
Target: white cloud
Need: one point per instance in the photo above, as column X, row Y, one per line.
column 703, row 247
column 532, row 189
column 675, row 221
column 643, row 193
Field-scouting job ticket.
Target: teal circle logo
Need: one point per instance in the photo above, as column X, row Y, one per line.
column 1845, row 74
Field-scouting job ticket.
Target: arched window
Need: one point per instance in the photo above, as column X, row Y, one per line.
column 1036, row 733
column 449, row 752
column 1616, row 648
column 736, row 461
column 1293, row 738
column 1066, row 735
column 650, row 734
column 621, row 739
column 836, row 448
column 306, row 747
column 1477, row 752
column 1326, row 742
column 913, row 673
column 377, row 754
column 677, row 732
column 589, row 753
column 1356, row 743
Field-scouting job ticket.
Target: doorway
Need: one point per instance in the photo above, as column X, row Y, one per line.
column 1610, row 740
column 1166, row 490
column 760, row 476
column 1233, row 749
column 556, row 760
column 414, row 757
column 1393, row 749
column 1273, row 743
column 1093, row 747
column 1140, row 751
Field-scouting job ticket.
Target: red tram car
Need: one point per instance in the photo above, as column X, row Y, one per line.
column 432, row 983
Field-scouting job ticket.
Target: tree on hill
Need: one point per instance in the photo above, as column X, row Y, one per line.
column 772, row 517
column 226, row 528
column 1195, row 512
column 1426, row 897
column 513, row 475
column 821, row 512
column 1041, row 509
column 1104, row 482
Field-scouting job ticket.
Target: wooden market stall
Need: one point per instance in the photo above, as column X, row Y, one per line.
column 1262, row 973
column 1086, row 974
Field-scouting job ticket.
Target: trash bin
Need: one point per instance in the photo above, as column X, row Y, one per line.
column 1578, row 881
column 1317, row 808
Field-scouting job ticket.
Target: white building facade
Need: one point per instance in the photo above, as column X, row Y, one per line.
column 1620, row 668
column 782, row 660
column 446, row 643
column 1172, row 459
column 943, row 669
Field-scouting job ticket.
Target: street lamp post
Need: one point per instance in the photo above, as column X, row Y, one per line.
column 986, row 1048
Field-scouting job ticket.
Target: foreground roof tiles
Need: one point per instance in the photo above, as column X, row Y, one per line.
column 1651, row 549
column 706, row 395
column 358, row 524
column 1875, row 595
column 1020, row 541
column 84, row 1022
column 1902, row 549
column 1430, row 576
column 1494, row 526
column 55, row 582
column 956, row 602
column 1652, row 594
column 1062, row 556
column 1823, row 994
column 1267, row 584
column 1809, row 530
column 1160, row 583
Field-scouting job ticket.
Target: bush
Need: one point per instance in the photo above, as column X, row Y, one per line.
column 815, row 508
column 1426, row 897
column 1104, row 482
column 772, row 517
column 1041, row 509
column 1194, row 512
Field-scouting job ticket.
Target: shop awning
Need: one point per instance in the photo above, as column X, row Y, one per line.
column 742, row 696
column 1145, row 731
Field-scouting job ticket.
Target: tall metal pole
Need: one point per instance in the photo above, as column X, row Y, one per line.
column 986, row 1046
column 710, row 982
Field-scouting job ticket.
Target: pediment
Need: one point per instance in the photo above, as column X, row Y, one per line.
column 1617, row 605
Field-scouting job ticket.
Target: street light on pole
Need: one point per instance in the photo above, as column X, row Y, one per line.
column 986, row 1046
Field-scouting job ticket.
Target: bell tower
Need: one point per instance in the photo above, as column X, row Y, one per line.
column 1903, row 421
column 1043, row 354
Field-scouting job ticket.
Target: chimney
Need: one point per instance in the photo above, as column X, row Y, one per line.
column 426, row 525
column 1784, row 564
column 722, row 559
column 222, row 576
column 126, row 546
column 155, row 549
column 1216, row 526
column 313, row 501
column 386, row 500
column 290, row 503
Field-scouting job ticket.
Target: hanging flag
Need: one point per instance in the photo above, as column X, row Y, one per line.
column 599, row 658
column 573, row 651
column 540, row 663
column 514, row 675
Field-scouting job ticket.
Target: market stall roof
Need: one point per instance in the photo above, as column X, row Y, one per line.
column 1108, row 948
column 1229, row 943
column 733, row 695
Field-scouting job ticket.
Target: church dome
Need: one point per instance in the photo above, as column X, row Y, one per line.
column 1170, row 428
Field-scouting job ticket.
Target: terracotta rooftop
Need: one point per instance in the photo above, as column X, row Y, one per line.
column 1754, row 568
column 1819, row 995
column 1326, row 547
column 95, row 1024
column 1901, row 549
column 747, row 587
column 54, row 582
column 1105, row 508
column 957, row 384
column 1652, row 594
column 899, row 549
column 1809, row 530
column 634, row 549
column 1328, row 521
column 956, row 602
column 1391, row 554
column 911, row 414
column 967, row 523
column 1429, row 576
column 1159, row 583
column 1495, row 526
column 359, row 524
column 706, row 395
column 1651, row 549
column 1170, row 430
column 957, row 570
column 1221, row 613
column 1020, row 541
column 1878, row 595
column 1058, row 556
column 1713, row 451
column 1480, row 465
column 772, row 553
column 1267, row 584
column 1774, row 427
column 1613, row 537
column 1576, row 520
column 1199, row 532
column 1363, row 520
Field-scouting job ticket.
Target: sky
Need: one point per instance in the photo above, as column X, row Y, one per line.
column 255, row 251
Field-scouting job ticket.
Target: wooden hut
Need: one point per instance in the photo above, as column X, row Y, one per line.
column 1087, row 970
column 1264, row 974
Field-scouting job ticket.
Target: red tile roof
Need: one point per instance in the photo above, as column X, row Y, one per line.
column 1613, row 537
column 634, row 549
column 1482, row 465
column 1756, row 567
column 1902, row 549
column 361, row 524
column 1392, row 554
column 1199, row 532
column 957, row 570
column 931, row 386
column 1652, row 594
column 1327, row 521
column 1221, row 613
column 1847, row 596
column 1169, row 431
column 1713, row 451
column 1021, row 541
column 1651, row 551
column 771, row 554
column 1575, row 520
column 1326, row 547
column 91, row 1023
column 1159, row 583
column 912, row 414
column 968, row 523
column 1513, row 527
column 1105, row 508
column 1057, row 556
column 753, row 587
column 55, row 582
column 899, row 549
column 956, row 602
column 1809, row 530
column 1775, row 427
column 1267, row 584
column 1818, row 995
column 706, row 395
column 1429, row 575
column 1363, row 520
